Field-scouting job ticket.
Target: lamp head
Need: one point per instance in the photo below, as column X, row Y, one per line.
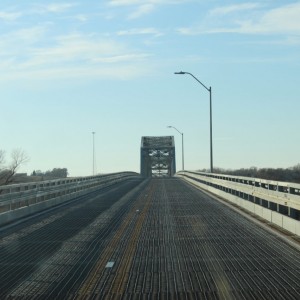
column 179, row 73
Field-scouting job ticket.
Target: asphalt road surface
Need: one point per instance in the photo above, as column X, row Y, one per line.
column 146, row 239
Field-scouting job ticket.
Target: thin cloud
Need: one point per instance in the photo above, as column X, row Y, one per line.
column 123, row 2
column 141, row 2
column 18, row 42
column 54, row 8
column 121, row 58
column 142, row 8
column 141, row 11
column 78, row 17
column 9, row 16
column 124, row 72
column 57, row 8
column 75, row 48
column 140, row 31
column 66, row 55
column 224, row 10
column 81, row 18
column 281, row 20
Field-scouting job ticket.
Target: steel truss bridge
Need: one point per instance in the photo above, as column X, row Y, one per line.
column 158, row 156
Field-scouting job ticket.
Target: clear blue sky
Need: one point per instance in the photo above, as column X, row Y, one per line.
column 70, row 68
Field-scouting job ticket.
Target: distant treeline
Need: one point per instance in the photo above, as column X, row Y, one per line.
column 55, row 173
column 290, row 174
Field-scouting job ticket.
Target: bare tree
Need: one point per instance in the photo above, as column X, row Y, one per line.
column 18, row 157
column 2, row 156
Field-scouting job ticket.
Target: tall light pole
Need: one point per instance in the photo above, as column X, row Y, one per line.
column 210, row 104
column 181, row 145
column 93, row 152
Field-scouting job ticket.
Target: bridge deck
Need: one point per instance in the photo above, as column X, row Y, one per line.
column 146, row 240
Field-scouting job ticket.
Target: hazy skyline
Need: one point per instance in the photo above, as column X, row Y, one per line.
column 71, row 68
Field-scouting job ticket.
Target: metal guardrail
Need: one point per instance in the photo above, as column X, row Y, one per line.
column 17, row 196
column 7, row 189
column 278, row 202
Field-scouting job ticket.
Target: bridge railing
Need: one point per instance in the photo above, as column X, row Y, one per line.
column 19, row 200
column 276, row 202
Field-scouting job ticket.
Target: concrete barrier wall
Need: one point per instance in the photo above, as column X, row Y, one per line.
column 22, row 212
column 276, row 192
column 267, row 214
column 283, row 221
column 22, row 200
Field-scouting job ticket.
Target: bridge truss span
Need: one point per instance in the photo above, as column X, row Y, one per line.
column 158, row 156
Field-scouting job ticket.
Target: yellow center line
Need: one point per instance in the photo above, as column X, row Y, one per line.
column 90, row 282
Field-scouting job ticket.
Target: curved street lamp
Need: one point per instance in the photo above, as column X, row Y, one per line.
column 210, row 104
column 181, row 145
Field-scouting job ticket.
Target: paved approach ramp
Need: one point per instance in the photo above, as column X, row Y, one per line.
column 151, row 239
